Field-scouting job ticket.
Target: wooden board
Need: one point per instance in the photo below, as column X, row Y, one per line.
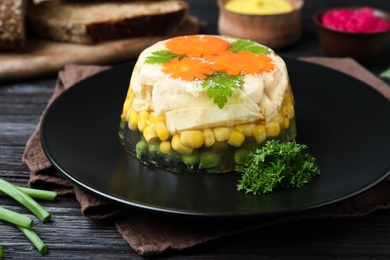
column 45, row 58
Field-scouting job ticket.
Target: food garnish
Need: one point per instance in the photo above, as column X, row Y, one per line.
column 15, row 218
column 248, row 45
column 276, row 165
column 25, row 200
column 25, row 196
column 220, row 86
column 35, row 240
column 385, row 73
column 206, row 58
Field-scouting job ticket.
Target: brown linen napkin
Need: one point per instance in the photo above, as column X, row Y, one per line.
column 149, row 233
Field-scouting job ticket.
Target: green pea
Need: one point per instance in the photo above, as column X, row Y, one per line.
column 173, row 155
column 240, row 156
column 292, row 130
column 122, row 125
column 154, row 147
column 209, row 159
column 190, row 159
column 141, row 148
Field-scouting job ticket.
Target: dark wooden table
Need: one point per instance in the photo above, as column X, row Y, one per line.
column 72, row 236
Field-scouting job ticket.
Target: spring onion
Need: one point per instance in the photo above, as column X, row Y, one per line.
column 35, row 240
column 25, row 200
column 39, row 194
column 15, row 218
column 26, row 196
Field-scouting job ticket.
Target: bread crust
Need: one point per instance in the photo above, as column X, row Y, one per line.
column 87, row 23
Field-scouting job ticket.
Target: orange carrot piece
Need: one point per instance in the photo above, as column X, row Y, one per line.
column 196, row 46
column 187, row 69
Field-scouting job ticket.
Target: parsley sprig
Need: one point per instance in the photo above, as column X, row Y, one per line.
column 277, row 165
column 220, row 86
column 163, row 56
column 247, row 45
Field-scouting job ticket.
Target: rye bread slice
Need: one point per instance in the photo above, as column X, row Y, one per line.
column 92, row 22
column 12, row 24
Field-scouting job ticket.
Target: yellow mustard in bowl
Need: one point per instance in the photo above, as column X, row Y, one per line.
column 259, row 7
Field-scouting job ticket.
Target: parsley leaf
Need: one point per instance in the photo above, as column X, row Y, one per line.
column 220, row 86
column 385, row 74
column 162, row 56
column 247, row 45
column 276, row 165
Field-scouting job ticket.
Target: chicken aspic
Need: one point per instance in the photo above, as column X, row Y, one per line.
column 202, row 102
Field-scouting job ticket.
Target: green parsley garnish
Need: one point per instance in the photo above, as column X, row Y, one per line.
column 247, row 45
column 385, row 74
column 220, row 86
column 163, row 56
column 276, row 165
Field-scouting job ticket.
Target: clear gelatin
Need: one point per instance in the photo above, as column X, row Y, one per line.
column 201, row 103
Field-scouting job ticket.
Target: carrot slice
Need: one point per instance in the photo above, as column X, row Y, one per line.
column 215, row 51
column 241, row 62
column 187, row 69
column 197, row 45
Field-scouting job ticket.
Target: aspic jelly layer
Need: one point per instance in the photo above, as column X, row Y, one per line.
column 212, row 150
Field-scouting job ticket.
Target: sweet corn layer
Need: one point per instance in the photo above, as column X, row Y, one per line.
column 147, row 137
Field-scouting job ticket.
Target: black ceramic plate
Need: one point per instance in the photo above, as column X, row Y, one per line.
column 344, row 122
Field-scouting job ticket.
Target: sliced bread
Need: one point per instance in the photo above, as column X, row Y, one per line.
column 12, row 24
column 92, row 22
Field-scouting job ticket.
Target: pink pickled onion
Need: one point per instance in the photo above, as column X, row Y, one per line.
column 362, row 20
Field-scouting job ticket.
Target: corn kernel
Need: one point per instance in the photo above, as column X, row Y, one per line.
column 178, row 146
column 165, row 147
column 128, row 114
column 236, row 138
column 283, row 111
column 288, row 98
column 209, row 139
column 286, row 123
column 150, row 134
column 290, row 111
column 144, row 114
column 272, row 129
column 141, row 124
column 259, row 134
column 133, row 120
column 278, row 119
column 130, row 93
column 192, row 138
column 162, row 131
column 221, row 133
column 125, row 110
column 246, row 129
column 155, row 119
